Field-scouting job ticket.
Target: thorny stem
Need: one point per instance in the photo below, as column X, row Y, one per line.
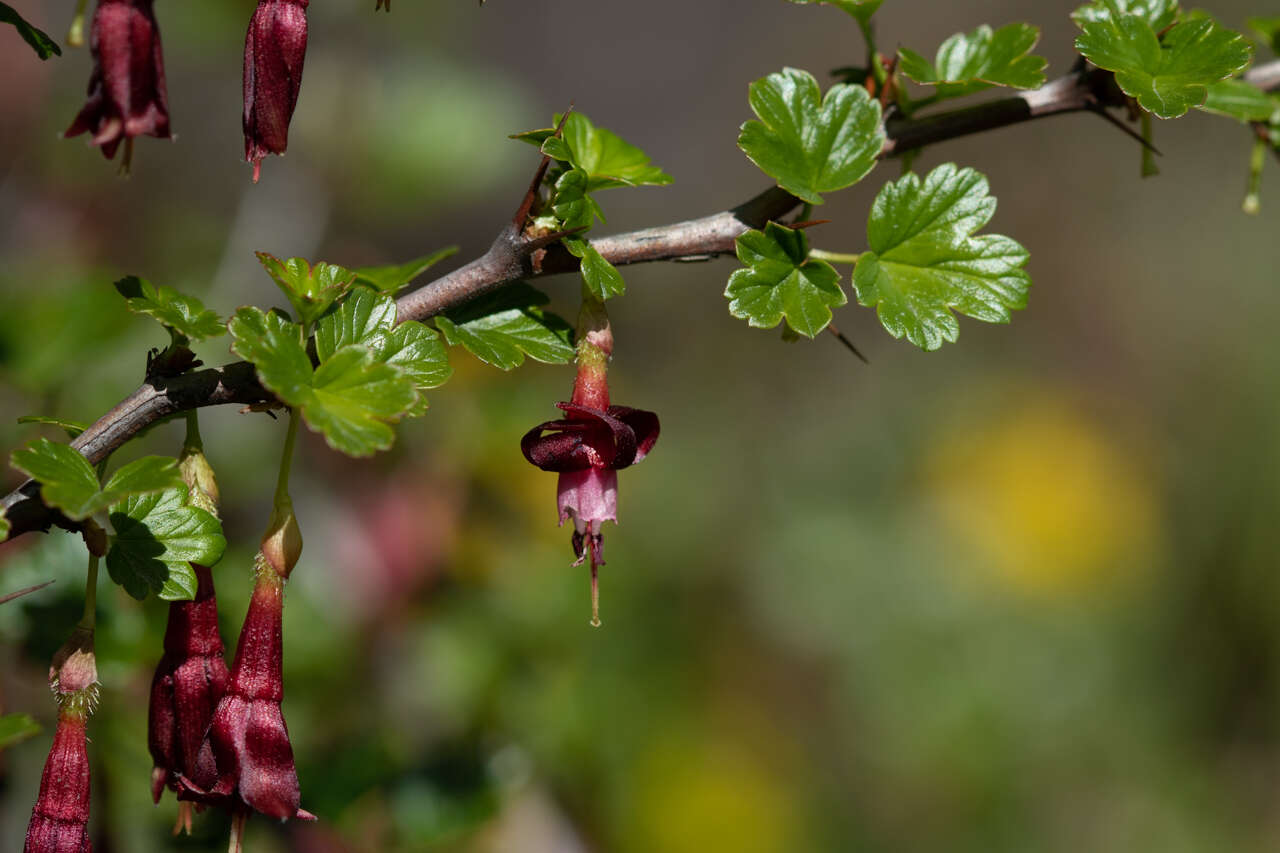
column 511, row 258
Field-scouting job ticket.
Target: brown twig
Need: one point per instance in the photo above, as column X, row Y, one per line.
column 508, row 260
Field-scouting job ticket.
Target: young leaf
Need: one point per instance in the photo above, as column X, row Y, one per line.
column 39, row 40
column 1239, row 100
column 352, row 396
column 608, row 159
column 503, row 327
column 364, row 317
column 925, row 262
column 69, row 483
column 15, row 728
column 274, row 346
column 809, row 144
column 390, row 279
column 418, row 353
column 860, row 9
column 310, row 289
column 1268, row 29
column 968, row 63
column 157, row 537
column 71, row 428
column 572, row 206
column 1170, row 77
column 1158, row 13
column 183, row 315
column 601, row 277
column 782, row 281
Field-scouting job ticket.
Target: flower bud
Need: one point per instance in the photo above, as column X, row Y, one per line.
column 274, row 49
column 202, row 485
column 126, row 88
column 73, row 675
column 60, row 818
column 282, row 543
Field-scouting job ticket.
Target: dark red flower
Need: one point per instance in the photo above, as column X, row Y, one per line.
column 59, row 821
column 126, row 89
column 246, row 759
column 189, row 682
column 274, row 50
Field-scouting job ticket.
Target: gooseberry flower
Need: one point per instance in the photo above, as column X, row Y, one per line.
column 59, row 821
column 189, row 682
column 274, row 49
column 591, row 444
column 126, row 89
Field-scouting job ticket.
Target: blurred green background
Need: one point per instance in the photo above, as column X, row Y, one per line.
column 1020, row 594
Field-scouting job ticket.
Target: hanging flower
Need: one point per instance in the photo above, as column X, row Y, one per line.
column 590, row 445
column 60, row 819
column 274, row 50
column 126, row 89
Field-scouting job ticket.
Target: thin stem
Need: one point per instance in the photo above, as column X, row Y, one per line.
column 193, row 443
column 1252, row 200
column 90, row 617
column 595, row 591
column 835, row 257
column 286, row 461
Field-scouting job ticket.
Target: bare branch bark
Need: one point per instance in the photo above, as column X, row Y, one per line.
column 512, row 259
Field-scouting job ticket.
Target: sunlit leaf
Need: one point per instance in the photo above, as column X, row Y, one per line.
column 970, row 62
column 781, row 281
column 157, row 537
column 504, row 327
column 183, row 315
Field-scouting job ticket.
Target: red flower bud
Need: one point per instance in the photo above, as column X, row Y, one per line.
column 274, row 49
column 126, row 89
column 189, row 681
column 59, row 821
column 246, row 757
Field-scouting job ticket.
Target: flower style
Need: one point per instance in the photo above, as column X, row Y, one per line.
column 59, row 821
column 189, row 682
column 246, row 759
column 590, row 445
column 126, row 89
column 274, row 49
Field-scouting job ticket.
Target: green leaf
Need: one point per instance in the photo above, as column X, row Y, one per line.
column 502, row 327
column 608, row 159
column 69, row 483
column 274, row 346
column 811, row 145
column 925, row 262
column 1167, row 77
column 157, row 538
column 968, row 63
column 39, row 40
column 183, row 315
column 859, row 9
column 352, row 396
column 782, row 281
column 417, row 351
column 390, row 279
column 15, row 728
column 1158, row 13
column 4, row 526
column 310, row 289
column 1238, row 100
column 600, row 276
column 72, row 428
column 572, row 206
column 1268, row 29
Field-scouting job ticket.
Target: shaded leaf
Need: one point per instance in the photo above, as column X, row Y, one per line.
column 72, row 428
column 1238, row 100
column 780, row 280
column 157, row 538
column 925, row 262
column 310, row 289
column 40, row 42
column 390, row 279
column 1169, row 76
column 968, row 63
column 808, row 143
column 502, row 327
column 15, row 728
column 1268, row 29
column 69, row 483
column 184, row 315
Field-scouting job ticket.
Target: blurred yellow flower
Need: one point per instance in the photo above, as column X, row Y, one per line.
column 1052, row 498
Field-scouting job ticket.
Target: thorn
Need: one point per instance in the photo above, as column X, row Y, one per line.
column 808, row 223
column 11, row 596
column 831, row 327
column 1128, row 131
column 526, row 204
column 533, row 244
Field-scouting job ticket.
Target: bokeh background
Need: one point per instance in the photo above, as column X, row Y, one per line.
column 1020, row 594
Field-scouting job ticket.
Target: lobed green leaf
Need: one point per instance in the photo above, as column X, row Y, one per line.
column 1169, row 76
column 15, row 728
column 968, row 63
column 503, row 327
column 1157, row 13
column 69, row 483
column 157, row 538
column 780, row 280
column 390, row 279
column 274, row 346
column 309, row 289
column 352, row 397
column 808, row 143
column 1239, row 100
column 608, row 159
column 182, row 315
column 924, row 261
